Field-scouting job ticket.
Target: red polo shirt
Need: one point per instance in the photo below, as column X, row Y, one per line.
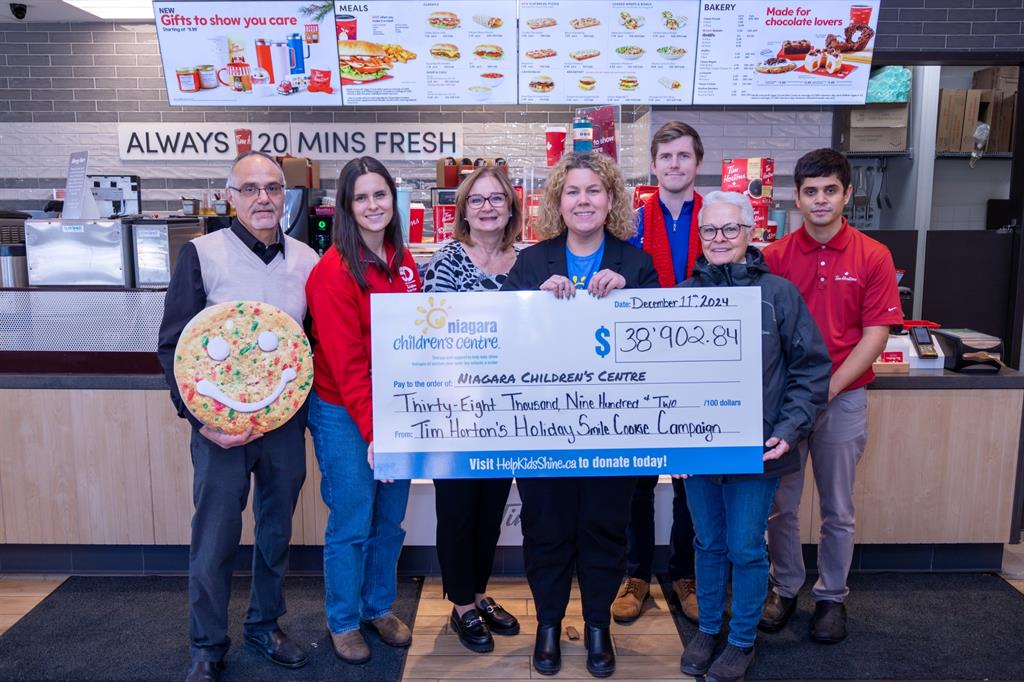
column 848, row 283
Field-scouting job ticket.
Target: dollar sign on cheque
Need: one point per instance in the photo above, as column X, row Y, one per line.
column 603, row 347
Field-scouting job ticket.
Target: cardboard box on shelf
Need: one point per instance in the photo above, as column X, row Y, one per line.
column 976, row 110
column 1002, row 78
column 1001, row 136
column 875, row 140
column 878, row 116
column 951, row 119
column 300, row 171
column 876, row 128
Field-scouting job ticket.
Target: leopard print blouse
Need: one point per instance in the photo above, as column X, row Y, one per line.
column 452, row 270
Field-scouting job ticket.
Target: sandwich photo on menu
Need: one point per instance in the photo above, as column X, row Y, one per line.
column 542, row 84
column 541, row 53
column 488, row 51
column 445, row 51
column 443, row 20
column 541, row 22
column 580, row 55
column 487, row 22
column 363, row 62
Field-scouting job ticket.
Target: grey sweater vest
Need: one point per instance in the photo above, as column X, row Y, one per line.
column 232, row 272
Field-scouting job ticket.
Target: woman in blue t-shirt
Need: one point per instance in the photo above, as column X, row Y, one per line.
column 579, row 522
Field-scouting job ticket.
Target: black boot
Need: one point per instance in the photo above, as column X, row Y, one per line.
column 600, row 653
column 547, row 651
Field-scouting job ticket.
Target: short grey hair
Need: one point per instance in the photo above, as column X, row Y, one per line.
column 245, row 155
column 736, row 199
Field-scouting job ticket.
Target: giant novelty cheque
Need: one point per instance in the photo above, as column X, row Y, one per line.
column 475, row 385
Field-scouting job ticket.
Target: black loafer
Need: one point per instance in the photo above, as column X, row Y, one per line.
column 829, row 624
column 547, row 650
column 277, row 648
column 472, row 631
column 600, row 652
column 205, row 671
column 500, row 621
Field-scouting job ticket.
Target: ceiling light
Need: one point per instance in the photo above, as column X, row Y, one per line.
column 115, row 9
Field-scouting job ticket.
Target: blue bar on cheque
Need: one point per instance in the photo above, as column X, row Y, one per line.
column 493, row 385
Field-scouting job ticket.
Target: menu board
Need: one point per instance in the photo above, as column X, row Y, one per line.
column 784, row 52
column 622, row 52
column 430, row 52
column 248, row 54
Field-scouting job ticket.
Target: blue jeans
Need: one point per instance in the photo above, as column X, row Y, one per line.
column 730, row 517
column 364, row 524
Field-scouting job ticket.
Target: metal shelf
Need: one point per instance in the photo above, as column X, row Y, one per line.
column 967, row 155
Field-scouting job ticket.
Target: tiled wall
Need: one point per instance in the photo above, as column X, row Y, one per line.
column 939, row 25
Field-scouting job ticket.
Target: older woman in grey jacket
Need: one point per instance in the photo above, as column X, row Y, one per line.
column 730, row 513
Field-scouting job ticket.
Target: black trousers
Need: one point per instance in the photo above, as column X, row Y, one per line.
column 575, row 523
column 220, row 489
column 469, row 513
column 640, row 554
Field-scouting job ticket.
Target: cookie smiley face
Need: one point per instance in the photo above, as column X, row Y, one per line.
column 243, row 364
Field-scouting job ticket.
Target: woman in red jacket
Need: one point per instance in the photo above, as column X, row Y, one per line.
column 364, row 526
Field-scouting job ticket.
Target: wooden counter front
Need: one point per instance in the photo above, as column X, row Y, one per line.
column 112, row 466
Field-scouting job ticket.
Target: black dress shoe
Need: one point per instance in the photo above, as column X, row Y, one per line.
column 500, row 621
column 472, row 631
column 600, row 652
column 777, row 612
column 277, row 647
column 205, row 671
column 547, row 651
column 829, row 624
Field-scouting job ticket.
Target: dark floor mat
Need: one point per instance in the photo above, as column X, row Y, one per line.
column 93, row 629
column 901, row 626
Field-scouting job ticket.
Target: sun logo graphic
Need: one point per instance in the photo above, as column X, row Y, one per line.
column 435, row 315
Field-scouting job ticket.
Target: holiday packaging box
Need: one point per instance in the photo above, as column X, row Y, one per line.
column 753, row 176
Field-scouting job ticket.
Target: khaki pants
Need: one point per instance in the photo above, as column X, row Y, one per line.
column 835, row 445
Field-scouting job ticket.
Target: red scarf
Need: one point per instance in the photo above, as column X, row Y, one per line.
column 656, row 239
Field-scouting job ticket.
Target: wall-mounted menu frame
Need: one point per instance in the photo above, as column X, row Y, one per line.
column 431, row 52
column 619, row 52
column 785, row 52
column 258, row 53
column 464, row 52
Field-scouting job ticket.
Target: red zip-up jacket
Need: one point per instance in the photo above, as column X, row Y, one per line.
column 341, row 330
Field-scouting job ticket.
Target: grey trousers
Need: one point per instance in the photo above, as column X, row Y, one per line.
column 835, row 445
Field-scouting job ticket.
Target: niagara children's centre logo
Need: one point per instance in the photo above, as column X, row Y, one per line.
column 438, row 330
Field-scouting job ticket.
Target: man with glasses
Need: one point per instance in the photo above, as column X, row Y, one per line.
column 252, row 260
column 666, row 229
column 848, row 281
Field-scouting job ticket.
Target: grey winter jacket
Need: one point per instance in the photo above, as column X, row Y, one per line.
column 794, row 359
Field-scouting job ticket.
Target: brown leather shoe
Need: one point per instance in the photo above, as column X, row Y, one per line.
column 686, row 593
column 391, row 630
column 630, row 602
column 351, row 647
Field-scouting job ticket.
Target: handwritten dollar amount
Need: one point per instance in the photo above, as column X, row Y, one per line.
column 675, row 341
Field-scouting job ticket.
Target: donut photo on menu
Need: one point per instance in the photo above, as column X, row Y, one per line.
column 243, row 364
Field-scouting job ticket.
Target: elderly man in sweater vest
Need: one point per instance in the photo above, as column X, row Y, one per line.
column 251, row 260
column 666, row 229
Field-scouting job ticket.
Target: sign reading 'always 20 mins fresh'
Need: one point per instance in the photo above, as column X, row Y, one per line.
column 215, row 141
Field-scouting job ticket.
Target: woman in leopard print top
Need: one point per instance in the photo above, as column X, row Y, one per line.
column 470, row 511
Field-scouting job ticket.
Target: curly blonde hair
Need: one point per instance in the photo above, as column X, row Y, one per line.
column 619, row 223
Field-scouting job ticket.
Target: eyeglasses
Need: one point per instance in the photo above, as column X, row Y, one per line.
column 497, row 200
column 251, row 191
column 729, row 231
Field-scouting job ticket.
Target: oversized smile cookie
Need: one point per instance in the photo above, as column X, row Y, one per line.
column 242, row 364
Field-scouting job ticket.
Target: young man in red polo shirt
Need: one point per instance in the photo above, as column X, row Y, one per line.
column 849, row 284
column 666, row 229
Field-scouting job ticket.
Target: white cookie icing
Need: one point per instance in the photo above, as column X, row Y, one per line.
column 217, row 348
column 211, row 390
column 267, row 341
